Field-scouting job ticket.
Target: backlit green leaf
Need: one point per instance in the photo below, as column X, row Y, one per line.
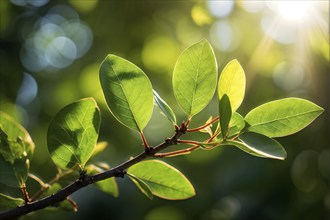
column 109, row 185
column 163, row 180
column 224, row 114
column 99, row 148
column 259, row 145
column 195, row 77
column 73, row 132
column 166, row 109
column 128, row 92
column 7, row 202
column 16, row 151
column 282, row 117
column 236, row 124
column 144, row 188
column 232, row 83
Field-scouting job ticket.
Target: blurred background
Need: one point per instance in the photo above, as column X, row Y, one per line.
column 50, row 53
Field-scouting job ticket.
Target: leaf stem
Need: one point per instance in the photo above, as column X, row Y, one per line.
column 45, row 186
column 203, row 126
column 38, row 180
column 177, row 153
column 213, row 136
column 73, row 203
column 62, row 194
column 25, row 193
column 144, row 140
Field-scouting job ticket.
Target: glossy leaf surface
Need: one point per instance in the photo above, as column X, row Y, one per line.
column 224, row 114
column 195, row 77
column 128, row 92
column 232, row 83
column 259, row 145
column 73, row 132
column 163, row 180
column 282, row 117
column 143, row 187
column 236, row 124
column 165, row 108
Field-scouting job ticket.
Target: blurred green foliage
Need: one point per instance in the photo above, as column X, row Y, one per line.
column 50, row 52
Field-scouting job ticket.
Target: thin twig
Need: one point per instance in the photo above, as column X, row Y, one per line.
column 25, row 193
column 38, row 180
column 177, row 152
column 46, row 186
column 62, row 194
column 203, row 126
column 144, row 140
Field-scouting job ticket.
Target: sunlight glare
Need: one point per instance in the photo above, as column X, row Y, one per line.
column 293, row 10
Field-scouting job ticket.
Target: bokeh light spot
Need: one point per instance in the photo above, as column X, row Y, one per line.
column 35, row 3
column 253, row 6
column 281, row 31
column 220, row 8
column 159, row 54
column 200, row 15
column 89, row 83
column 57, row 39
column 61, row 52
column 84, row 6
column 28, row 90
column 223, row 36
column 81, row 35
column 290, row 10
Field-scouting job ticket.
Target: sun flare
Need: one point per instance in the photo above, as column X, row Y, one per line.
column 293, row 10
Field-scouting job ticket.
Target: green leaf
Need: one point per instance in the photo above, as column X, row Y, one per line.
column 232, row 83
column 128, row 92
column 108, row 186
column 163, row 180
column 282, row 117
column 99, row 148
column 259, row 145
column 141, row 185
column 224, row 114
column 165, row 108
column 195, row 77
column 73, row 132
column 7, row 202
column 236, row 124
column 16, row 151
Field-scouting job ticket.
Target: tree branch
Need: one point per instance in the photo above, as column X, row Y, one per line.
column 84, row 181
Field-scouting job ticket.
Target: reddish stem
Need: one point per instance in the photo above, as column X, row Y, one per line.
column 176, row 153
column 203, row 126
column 213, row 136
column 25, row 193
column 145, row 143
column 188, row 142
column 73, row 203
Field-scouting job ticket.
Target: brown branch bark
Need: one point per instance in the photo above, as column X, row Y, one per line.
column 117, row 171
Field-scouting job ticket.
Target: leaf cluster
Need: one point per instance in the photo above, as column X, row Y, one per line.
column 72, row 135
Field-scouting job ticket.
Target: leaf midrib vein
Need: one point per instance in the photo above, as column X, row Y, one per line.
column 121, row 86
column 279, row 119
